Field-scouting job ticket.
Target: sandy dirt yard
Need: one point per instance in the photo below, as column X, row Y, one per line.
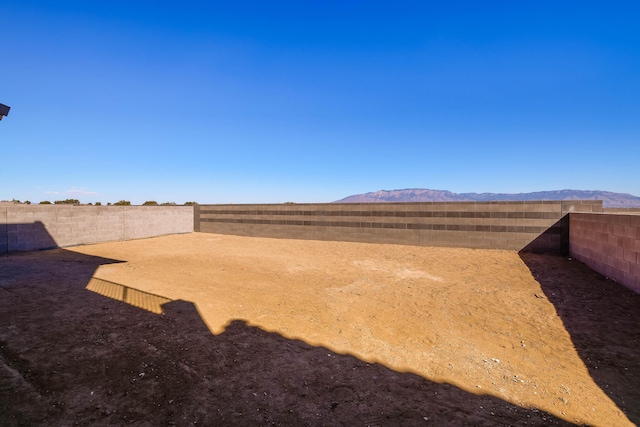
column 216, row 330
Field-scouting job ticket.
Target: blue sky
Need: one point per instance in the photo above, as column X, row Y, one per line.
column 313, row 101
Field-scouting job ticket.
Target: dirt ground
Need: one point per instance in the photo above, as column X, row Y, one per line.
column 206, row 329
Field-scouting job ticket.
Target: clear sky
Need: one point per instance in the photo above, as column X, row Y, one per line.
column 315, row 100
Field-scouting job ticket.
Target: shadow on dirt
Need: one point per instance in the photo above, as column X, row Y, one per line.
column 72, row 356
column 603, row 319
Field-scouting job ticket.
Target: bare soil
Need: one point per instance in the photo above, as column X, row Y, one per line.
column 205, row 329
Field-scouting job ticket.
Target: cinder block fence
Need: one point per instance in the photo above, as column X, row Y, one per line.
column 29, row 227
column 606, row 240
column 609, row 244
column 529, row 226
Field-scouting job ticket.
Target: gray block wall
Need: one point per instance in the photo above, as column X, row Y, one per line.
column 30, row 227
column 530, row 226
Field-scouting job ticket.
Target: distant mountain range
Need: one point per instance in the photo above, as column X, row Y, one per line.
column 609, row 199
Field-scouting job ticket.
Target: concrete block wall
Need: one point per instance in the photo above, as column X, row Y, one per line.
column 149, row 221
column 529, row 226
column 628, row 211
column 609, row 244
column 3, row 230
column 30, row 227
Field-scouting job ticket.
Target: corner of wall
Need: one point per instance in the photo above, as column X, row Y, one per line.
column 196, row 218
column 4, row 238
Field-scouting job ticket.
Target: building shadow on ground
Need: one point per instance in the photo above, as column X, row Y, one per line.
column 69, row 355
column 603, row 320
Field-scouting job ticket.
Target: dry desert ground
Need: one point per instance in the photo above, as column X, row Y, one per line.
column 207, row 329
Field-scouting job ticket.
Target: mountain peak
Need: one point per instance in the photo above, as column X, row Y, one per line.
column 609, row 199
